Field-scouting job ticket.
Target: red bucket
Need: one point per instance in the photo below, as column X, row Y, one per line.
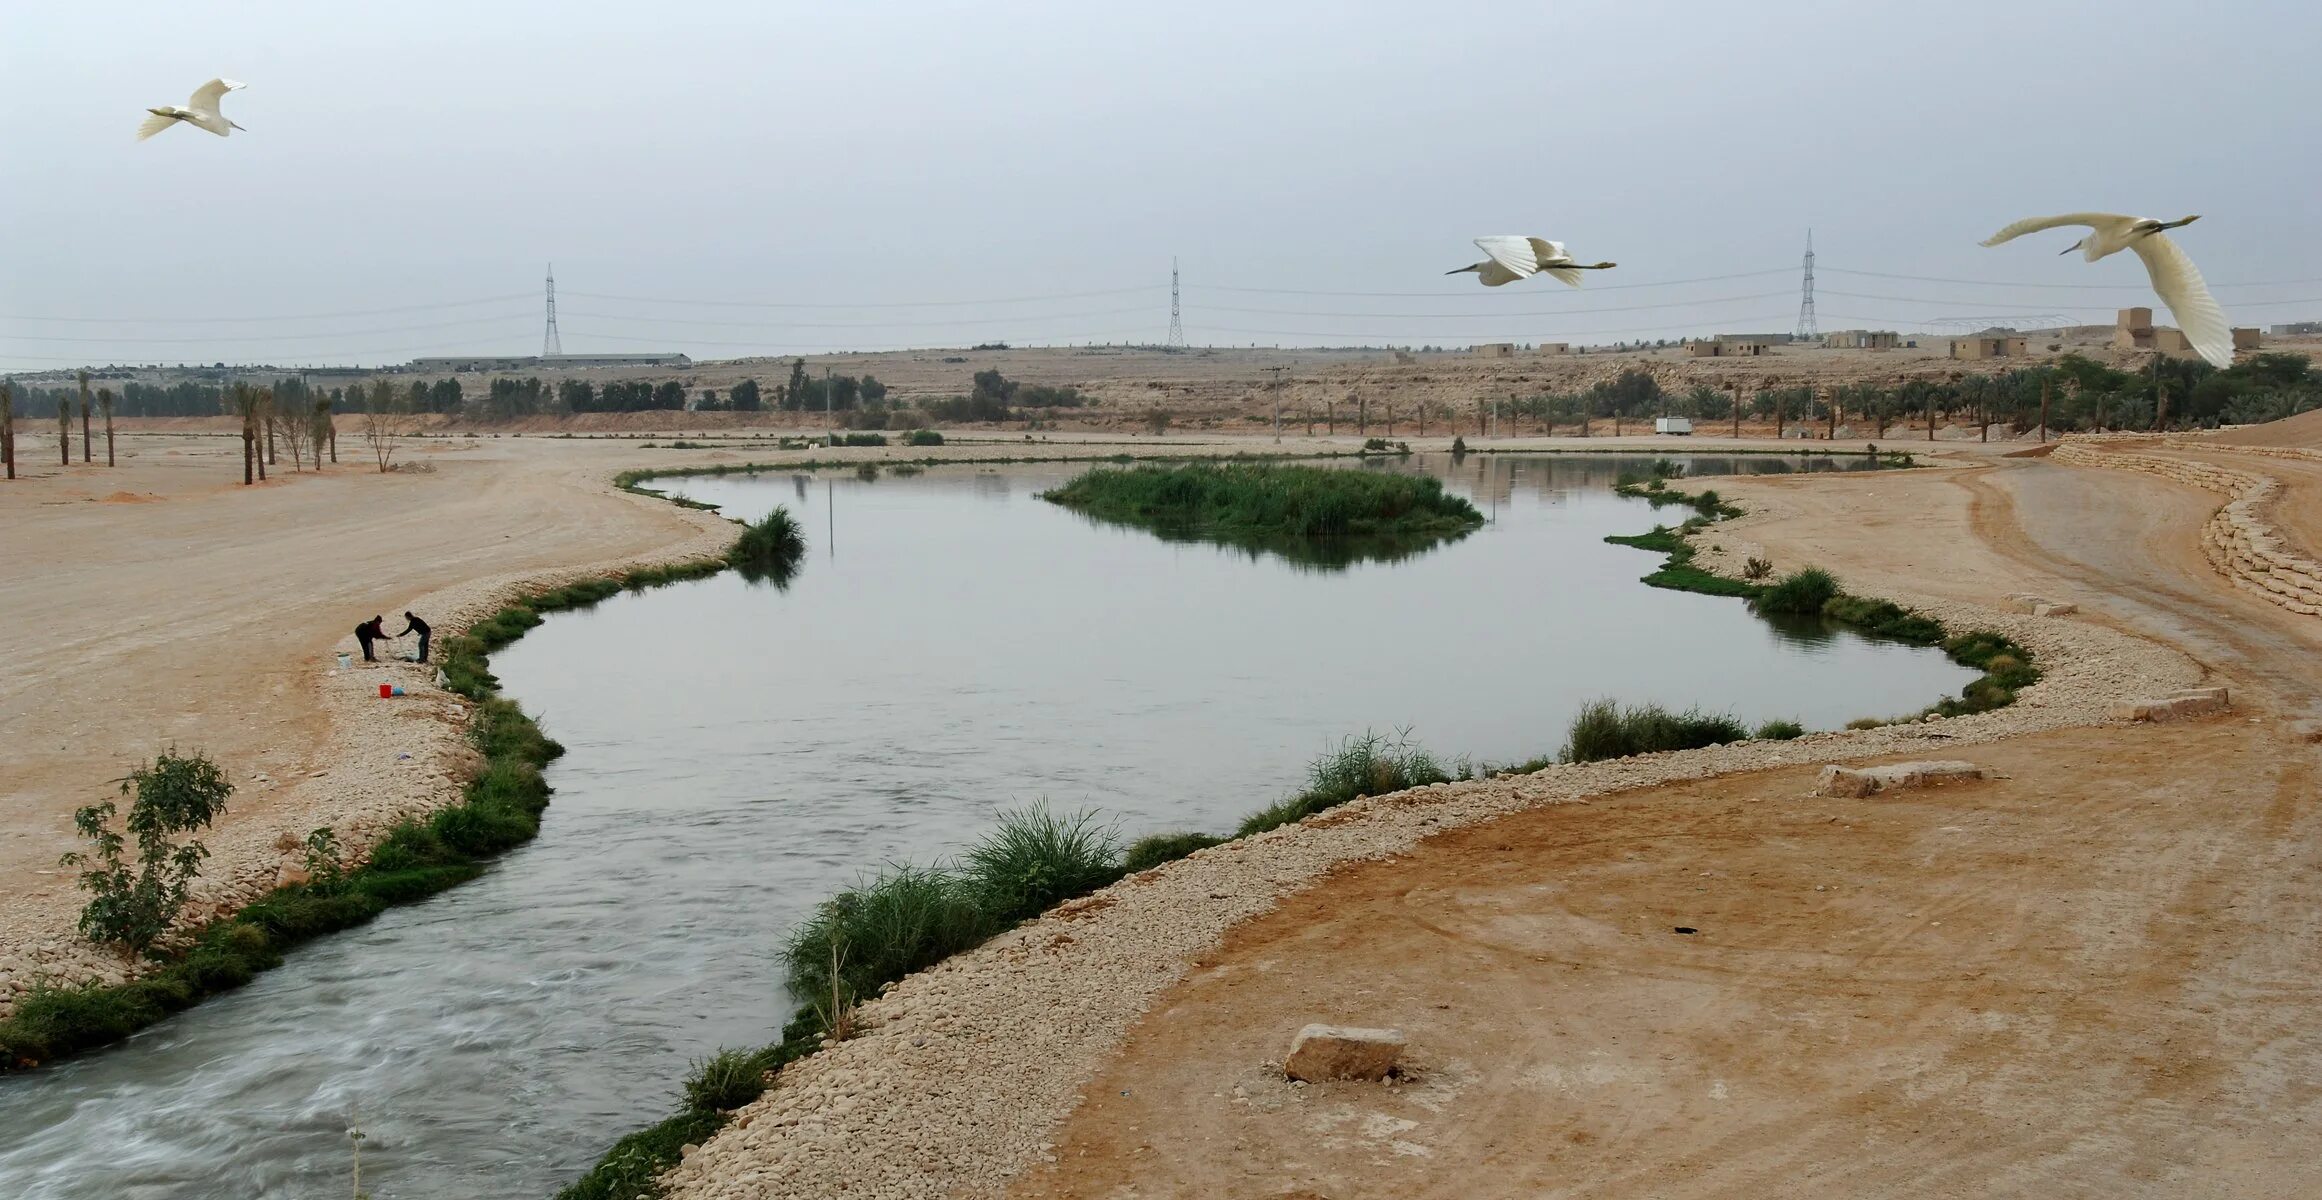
column 386, row 690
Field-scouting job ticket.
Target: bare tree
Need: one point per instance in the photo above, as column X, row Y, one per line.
column 105, row 402
column 8, row 428
column 64, row 429
column 262, row 427
column 385, row 423
column 286, row 421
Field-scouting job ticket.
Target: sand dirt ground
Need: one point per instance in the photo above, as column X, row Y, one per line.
column 2094, row 976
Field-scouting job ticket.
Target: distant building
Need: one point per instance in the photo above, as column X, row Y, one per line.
column 1405, row 357
column 1555, row 347
column 2297, row 329
column 1731, row 346
column 2133, row 329
column 518, row 362
column 1983, row 346
column 1494, row 350
column 1864, row 339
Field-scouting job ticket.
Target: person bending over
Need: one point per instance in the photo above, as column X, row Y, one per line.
column 419, row 627
column 368, row 632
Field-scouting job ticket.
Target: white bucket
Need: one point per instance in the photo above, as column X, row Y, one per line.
column 345, row 661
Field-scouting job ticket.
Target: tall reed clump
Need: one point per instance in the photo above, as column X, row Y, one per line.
column 770, row 548
column 1603, row 729
column 1368, row 765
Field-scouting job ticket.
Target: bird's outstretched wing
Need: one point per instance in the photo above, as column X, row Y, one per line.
column 2178, row 282
column 154, row 124
column 1493, row 274
column 1564, row 275
column 206, row 96
column 2094, row 220
column 1512, row 252
column 1545, row 251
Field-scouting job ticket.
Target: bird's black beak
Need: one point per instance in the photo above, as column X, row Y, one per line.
column 2068, row 249
column 229, row 121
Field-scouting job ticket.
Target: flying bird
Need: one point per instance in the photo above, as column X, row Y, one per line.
column 2175, row 279
column 200, row 111
column 1513, row 258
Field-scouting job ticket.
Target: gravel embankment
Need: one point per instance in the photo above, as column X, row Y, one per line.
column 963, row 1073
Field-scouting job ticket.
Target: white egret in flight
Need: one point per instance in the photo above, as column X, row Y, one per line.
column 200, row 111
column 1513, row 258
column 2175, row 279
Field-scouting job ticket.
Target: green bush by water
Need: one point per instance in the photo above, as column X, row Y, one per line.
column 1780, row 731
column 923, row 437
column 1369, row 765
column 1603, row 729
column 1035, row 859
column 1800, row 592
column 1271, row 499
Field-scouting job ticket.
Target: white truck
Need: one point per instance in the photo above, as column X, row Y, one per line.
column 1676, row 425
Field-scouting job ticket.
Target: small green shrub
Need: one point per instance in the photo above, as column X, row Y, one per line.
column 1603, row 729
column 1146, row 853
column 1780, row 731
column 1035, row 858
column 923, row 437
column 173, row 795
column 1801, row 592
column 1458, row 446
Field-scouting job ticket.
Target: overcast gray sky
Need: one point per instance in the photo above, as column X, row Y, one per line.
column 422, row 156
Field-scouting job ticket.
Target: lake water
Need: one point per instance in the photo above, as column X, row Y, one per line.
column 951, row 647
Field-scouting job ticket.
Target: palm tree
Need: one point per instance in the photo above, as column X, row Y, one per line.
column 84, row 416
column 105, row 402
column 8, row 428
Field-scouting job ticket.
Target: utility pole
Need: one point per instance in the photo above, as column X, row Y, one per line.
column 105, row 401
column 64, row 429
column 1330, row 417
column 1930, row 414
column 8, row 427
column 1831, row 407
column 1733, row 391
column 84, row 418
column 1422, row 418
column 826, row 425
column 1362, row 416
column 1479, row 416
column 1390, row 418
column 1274, row 386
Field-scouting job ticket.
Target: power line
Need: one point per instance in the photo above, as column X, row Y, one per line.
column 1150, row 287
column 1556, row 312
column 238, row 338
column 2093, row 287
column 366, row 312
column 1473, row 295
column 892, row 324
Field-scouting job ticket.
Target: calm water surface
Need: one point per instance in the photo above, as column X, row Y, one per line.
column 952, row 646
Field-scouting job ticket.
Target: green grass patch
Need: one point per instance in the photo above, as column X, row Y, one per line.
column 1780, row 731
column 1603, row 729
column 1146, row 853
column 1313, row 515
column 1369, row 765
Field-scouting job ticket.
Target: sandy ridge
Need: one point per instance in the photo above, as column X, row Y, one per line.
column 965, row 1072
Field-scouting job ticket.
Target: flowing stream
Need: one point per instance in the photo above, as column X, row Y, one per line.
column 952, row 646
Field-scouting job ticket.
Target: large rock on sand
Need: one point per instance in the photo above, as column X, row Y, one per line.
column 1852, row 781
column 1323, row 1052
column 2191, row 702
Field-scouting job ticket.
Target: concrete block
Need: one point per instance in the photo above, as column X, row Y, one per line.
column 1863, row 781
column 1321, row 1052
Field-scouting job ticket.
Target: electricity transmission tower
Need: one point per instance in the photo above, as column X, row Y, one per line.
column 1176, row 319
column 550, row 344
column 1806, row 327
